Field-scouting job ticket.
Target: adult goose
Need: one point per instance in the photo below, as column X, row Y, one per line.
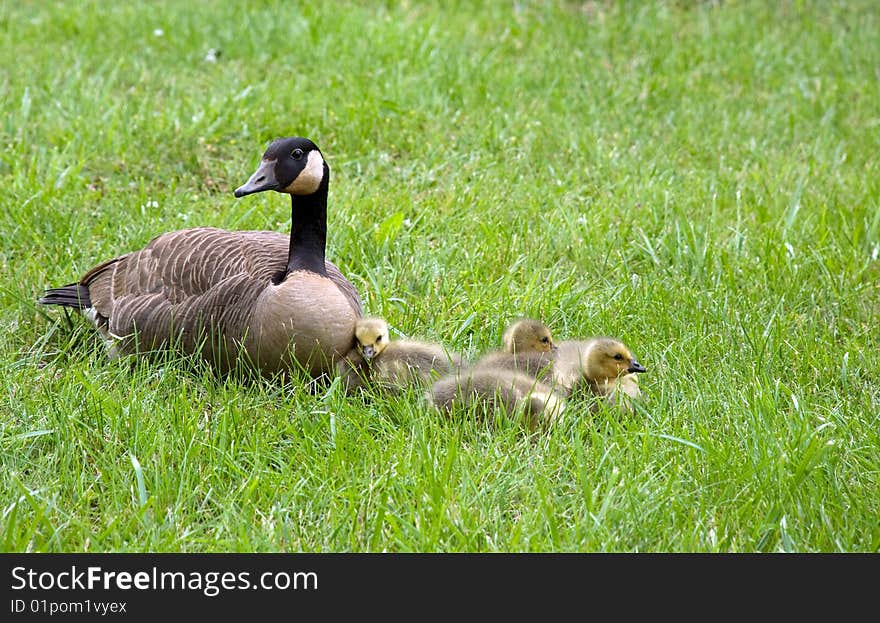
column 261, row 297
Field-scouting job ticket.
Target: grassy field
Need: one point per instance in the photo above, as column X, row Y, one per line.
column 701, row 180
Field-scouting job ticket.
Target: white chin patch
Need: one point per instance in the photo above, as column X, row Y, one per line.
column 310, row 177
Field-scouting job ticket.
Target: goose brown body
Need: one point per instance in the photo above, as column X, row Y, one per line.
column 265, row 297
column 186, row 288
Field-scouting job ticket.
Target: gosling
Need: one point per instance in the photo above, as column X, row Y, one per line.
column 495, row 389
column 527, row 335
column 389, row 365
column 604, row 365
column 528, row 347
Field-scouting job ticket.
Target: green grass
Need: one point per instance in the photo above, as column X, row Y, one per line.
column 701, row 180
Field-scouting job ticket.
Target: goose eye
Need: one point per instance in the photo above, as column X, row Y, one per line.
column 297, row 153
column 618, row 356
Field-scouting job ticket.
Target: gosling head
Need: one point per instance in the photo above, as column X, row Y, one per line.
column 290, row 165
column 608, row 359
column 372, row 336
column 528, row 335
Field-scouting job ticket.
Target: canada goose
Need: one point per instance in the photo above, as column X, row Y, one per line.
column 528, row 347
column 603, row 364
column 527, row 335
column 270, row 298
column 392, row 364
column 513, row 392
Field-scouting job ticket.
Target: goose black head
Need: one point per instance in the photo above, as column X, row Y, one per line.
column 290, row 165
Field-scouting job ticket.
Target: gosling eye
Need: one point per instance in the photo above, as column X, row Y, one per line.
column 378, row 338
column 545, row 340
column 297, row 154
column 618, row 357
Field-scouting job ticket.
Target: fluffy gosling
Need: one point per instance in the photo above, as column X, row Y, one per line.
column 604, row 365
column 496, row 389
column 528, row 347
column 392, row 365
column 527, row 335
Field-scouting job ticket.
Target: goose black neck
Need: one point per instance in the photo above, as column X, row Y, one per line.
column 308, row 231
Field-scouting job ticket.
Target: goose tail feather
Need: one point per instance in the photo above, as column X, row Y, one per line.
column 72, row 295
